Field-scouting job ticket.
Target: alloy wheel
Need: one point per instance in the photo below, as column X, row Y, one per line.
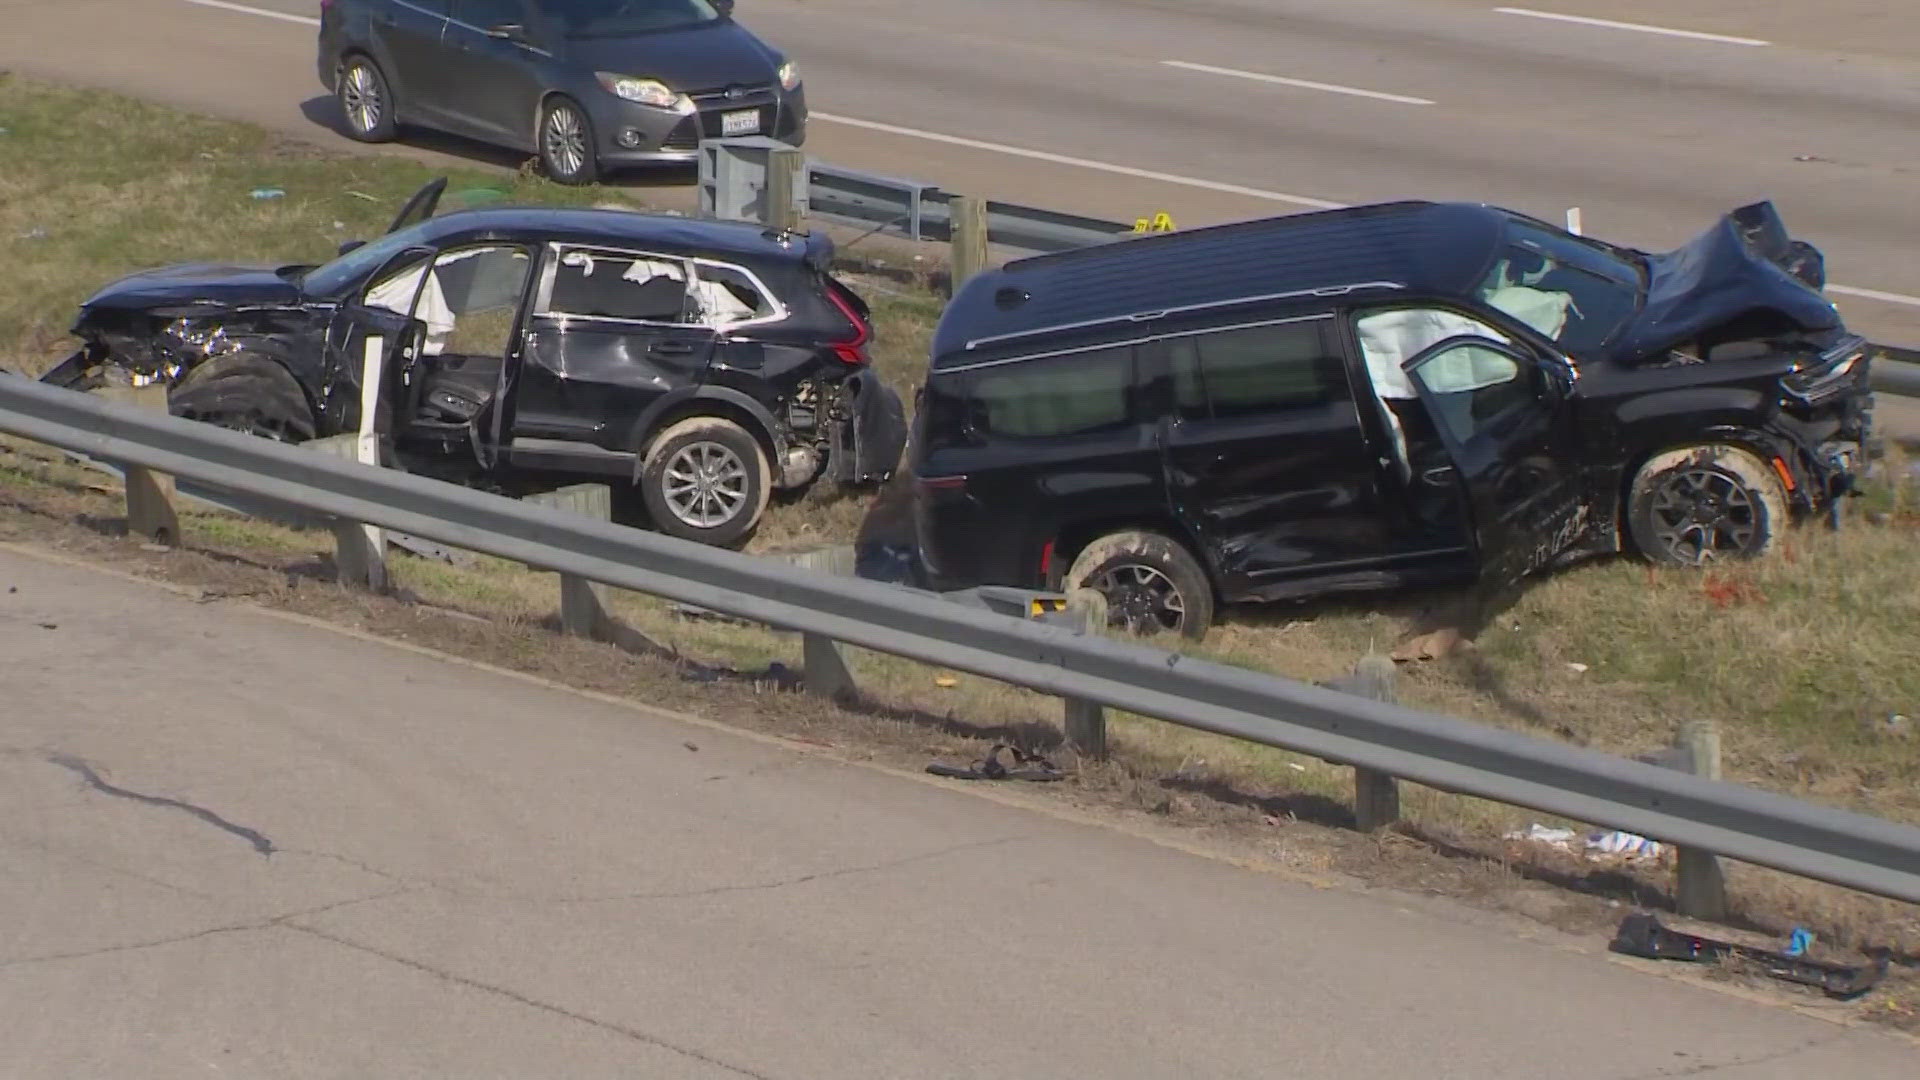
column 705, row 485
column 361, row 99
column 1141, row 599
column 565, row 139
column 1700, row 515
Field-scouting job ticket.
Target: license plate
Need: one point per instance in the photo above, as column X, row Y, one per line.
column 744, row 122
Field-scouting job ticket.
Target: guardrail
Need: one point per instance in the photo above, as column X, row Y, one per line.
column 1379, row 739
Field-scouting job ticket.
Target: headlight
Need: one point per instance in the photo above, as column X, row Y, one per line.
column 645, row 91
column 789, row 76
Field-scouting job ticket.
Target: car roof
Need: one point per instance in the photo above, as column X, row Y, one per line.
column 666, row 234
column 1414, row 245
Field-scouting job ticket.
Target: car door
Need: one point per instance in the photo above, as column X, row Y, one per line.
column 494, row 83
column 1266, row 458
column 409, row 40
column 1503, row 419
column 612, row 332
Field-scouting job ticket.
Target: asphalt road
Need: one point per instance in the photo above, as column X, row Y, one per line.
column 227, row 857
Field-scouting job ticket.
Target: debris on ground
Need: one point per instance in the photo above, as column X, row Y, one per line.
column 1642, row 935
column 34, row 234
column 268, row 193
column 1433, row 646
column 1026, row 767
column 1577, row 668
column 1610, row 843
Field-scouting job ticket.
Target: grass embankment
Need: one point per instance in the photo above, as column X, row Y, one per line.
column 1802, row 657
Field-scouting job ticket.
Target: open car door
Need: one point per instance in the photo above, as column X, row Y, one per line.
column 421, row 206
column 1504, row 423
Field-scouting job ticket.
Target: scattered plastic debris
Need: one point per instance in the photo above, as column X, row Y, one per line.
column 1577, row 669
column 1540, row 834
column 946, row 682
column 34, row 234
column 1800, row 943
column 363, row 196
column 1614, row 844
column 268, row 193
column 1296, row 766
column 1641, row 934
column 1026, row 767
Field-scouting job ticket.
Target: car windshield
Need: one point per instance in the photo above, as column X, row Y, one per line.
column 330, row 279
column 619, row 18
column 1571, row 290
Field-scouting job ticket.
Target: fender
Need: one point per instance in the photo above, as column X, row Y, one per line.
column 764, row 427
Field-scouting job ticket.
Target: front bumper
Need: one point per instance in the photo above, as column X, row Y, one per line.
column 629, row 133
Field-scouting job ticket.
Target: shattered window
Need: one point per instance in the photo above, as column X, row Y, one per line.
column 1576, row 293
column 1050, row 397
column 1256, row 370
column 1469, row 385
column 726, row 295
column 632, row 288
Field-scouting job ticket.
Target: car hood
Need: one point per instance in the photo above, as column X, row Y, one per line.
column 709, row 57
column 196, row 284
column 1744, row 262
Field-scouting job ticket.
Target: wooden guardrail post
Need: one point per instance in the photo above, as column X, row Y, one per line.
column 359, row 550
column 1376, row 795
column 583, row 603
column 969, row 237
column 786, row 180
column 1086, row 721
column 1702, row 889
column 150, row 511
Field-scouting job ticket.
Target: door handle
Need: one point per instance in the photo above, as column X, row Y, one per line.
column 1438, row 475
column 670, row 348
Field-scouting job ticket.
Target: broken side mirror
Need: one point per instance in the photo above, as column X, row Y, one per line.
column 350, row 245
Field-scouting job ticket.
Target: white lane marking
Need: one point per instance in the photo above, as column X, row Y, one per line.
column 1875, row 294
column 1061, row 159
column 303, row 20
column 1082, row 163
column 1610, row 24
column 1331, row 88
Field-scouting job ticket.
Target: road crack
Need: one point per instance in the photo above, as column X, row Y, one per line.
column 86, row 772
column 621, row 1030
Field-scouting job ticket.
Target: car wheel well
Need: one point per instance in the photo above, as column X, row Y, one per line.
column 1623, row 492
column 718, row 408
column 1073, row 538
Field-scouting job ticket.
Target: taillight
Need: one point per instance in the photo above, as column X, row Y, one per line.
column 853, row 350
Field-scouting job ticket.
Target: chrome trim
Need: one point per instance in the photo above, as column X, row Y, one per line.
column 1145, row 316
column 1130, row 342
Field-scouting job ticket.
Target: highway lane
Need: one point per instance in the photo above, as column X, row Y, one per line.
column 239, row 845
column 1651, row 136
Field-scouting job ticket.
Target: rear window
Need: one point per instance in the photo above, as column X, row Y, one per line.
column 1051, row 397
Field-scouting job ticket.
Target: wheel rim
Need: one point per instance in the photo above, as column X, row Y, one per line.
column 1700, row 515
column 1141, row 599
column 248, row 424
column 360, row 98
column 566, row 141
column 705, row 485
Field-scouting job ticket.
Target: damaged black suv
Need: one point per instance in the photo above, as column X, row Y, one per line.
column 1392, row 395
column 709, row 364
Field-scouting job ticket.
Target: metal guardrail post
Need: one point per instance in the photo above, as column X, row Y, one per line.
column 826, row 671
column 969, row 238
column 1701, row 892
column 583, row 603
column 150, row 510
column 359, row 551
column 786, row 182
column 1086, row 721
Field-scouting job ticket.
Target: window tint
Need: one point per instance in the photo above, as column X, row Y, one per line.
column 485, row 14
column 609, row 285
column 1468, row 386
column 1049, row 397
column 1256, row 370
column 726, row 296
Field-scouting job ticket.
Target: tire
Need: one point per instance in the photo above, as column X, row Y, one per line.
column 566, row 143
column 368, row 109
column 706, row 479
column 1152, row 583
column 1702, row 504
column 245, row 392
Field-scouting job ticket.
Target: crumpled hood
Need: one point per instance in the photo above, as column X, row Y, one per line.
column 1742, row 263
column 708, row 57
column 212, row 284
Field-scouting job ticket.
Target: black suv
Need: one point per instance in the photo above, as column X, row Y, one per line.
column 708, row 363
column 588, row 85
column 1391, row 395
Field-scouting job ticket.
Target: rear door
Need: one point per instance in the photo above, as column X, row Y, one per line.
column 613, row 331
column 1503, row 417
column 408, row 37
column 1266, row 458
